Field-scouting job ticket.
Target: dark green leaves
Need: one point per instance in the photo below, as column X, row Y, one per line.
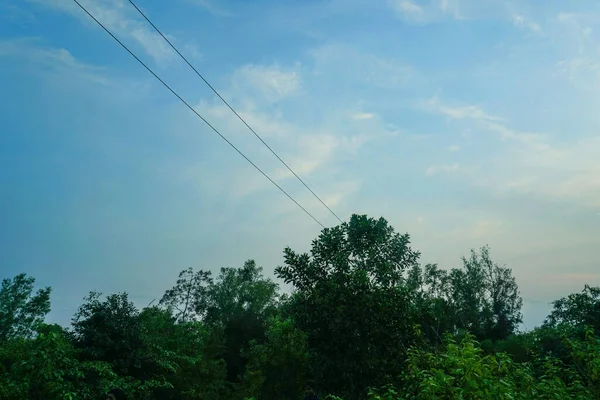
column 20, row 310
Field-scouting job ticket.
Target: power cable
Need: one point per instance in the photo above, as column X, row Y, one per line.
column 197, row 114
column 233, row 110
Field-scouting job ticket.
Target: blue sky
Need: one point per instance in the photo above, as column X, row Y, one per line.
column 463, row 122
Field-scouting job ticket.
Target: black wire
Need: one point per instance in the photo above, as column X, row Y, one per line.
column 197, row 114
column 231, row 108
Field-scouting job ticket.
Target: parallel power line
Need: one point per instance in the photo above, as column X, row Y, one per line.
column 233, row 110
column 197, row 114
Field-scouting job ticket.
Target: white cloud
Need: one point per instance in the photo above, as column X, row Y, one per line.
column 458, row 112
column 568, row 171
column 422, row 12
column 266, row 124
column 436, row 169
column 480, row 230
column 452, row 8
column 580, row 61
column 454, row 148
column 522, row 22
column 333, row 59
column 475, row 115
column 574, row 67
column 210, row 6
column 363, row 115
column 121, row 19
column 535, row 140
column 407, row 8
column 540, row 167
column 310, row 149
column 273, row 82
column 52, row 59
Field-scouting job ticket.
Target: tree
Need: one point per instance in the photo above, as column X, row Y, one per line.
column 20, row 310
column 577, row 309
column 47, row 367
column 352, row 300
column 109, row 331
column 461, row 370
column 485, row 297
column 189, row 295
column 185, row 354
column 277, row 369
column 156, row 357
column 429, row 288
column 236, row 305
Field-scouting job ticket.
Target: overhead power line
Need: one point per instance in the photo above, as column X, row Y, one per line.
column 197, row 114
column 233, row 110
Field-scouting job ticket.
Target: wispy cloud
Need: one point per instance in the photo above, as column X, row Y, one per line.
column 122, row 19
column 210, row 6
column 367, row 68
column 271, row 81
column 484, row 121
column 539, row 167
column 422, row 12
column 309, row 148
column 458, row 111
column 522, row 22
column 52, row 59
column 436, row 169
column 363, row 115
column 408, row 8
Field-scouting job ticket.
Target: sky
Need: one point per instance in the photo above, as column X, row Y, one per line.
column 462, row 122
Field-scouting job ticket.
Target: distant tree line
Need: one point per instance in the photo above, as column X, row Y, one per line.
column 365, row 320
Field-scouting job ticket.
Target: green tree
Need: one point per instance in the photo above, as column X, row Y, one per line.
column 187, row 299
column 430, row 288
column 21, row 311
column 577, row 310
column 461, row 370
column 47, row 367
column 109, row 331
column 277, row 369
column 236, row 306
column 352, row 300
column 155, row 356
column 485, row 297
column 185, row 355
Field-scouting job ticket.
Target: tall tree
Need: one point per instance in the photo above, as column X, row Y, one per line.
column 187, row 299
column 577, row 309
column 20, row 309
column 352, row 300
column 237, row 304
column 109, row 331
column 429, row 288
column 485, row 297
column 277, row 369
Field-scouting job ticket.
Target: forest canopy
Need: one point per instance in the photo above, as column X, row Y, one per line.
column 364, row 320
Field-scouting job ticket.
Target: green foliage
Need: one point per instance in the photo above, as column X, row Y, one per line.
column 46, row 367
column 463, row 371
column 364, row 321
column 109, row 331
column 188, row 298
column 486, row 297
column 353, row 303
column 20, row 310
column 160, row 358
column 277, row 369
column 578, row 309
column 235, row 307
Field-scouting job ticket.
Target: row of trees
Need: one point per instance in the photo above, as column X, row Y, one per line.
column 364, row 320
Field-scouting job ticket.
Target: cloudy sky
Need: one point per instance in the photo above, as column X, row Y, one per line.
column 463, row 122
